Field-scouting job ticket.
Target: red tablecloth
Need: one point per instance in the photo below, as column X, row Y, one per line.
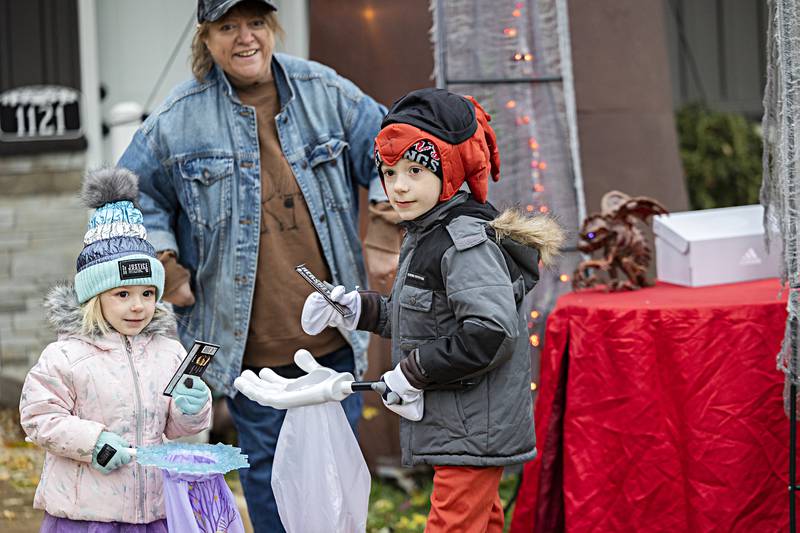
column 661, row 410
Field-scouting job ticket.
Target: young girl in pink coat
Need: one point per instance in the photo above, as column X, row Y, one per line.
column 102, row 381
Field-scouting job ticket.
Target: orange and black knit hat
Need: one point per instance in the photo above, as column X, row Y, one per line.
column 447, row 133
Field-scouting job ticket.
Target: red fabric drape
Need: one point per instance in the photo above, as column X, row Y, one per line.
column 661, row 410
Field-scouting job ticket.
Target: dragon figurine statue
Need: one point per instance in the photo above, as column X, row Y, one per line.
column 624, row 246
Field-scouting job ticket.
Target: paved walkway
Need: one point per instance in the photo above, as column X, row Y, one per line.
column 20, row 466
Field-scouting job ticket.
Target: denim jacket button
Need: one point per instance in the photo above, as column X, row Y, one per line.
column 322, row 217
column 304, row 164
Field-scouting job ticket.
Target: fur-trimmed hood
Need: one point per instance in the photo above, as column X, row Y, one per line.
column 541, row 232
column 64, row 313
column 526, row 241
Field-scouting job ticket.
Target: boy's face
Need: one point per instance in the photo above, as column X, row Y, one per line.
column 129, row 309
column 413, row 190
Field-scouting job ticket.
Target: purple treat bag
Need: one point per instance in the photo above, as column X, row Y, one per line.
column 199, row 503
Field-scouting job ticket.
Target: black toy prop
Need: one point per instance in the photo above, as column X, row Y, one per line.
column 194, row 364
column 322, row 288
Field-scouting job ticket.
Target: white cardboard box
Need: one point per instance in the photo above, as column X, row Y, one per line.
column 714, row 246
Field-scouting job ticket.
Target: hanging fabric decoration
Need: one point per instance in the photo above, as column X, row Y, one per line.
column 780, row 194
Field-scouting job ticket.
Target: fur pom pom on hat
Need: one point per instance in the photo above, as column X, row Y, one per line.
column 116, row 251
column 108, row 184
column 459, row 129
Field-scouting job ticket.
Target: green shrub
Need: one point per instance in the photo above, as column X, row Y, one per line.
column 721, row 155
column 391, row 510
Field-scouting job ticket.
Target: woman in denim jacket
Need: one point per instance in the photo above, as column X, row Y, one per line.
column 247, row 170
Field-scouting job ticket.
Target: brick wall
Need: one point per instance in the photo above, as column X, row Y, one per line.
column 41, row 233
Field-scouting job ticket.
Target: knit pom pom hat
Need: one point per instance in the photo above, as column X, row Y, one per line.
column 116, row 251
column 465, row 146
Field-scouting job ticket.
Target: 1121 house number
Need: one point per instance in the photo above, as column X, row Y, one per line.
column 46, row 125
column 40, row 112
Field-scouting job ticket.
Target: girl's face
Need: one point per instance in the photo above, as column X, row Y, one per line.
column 129, row 309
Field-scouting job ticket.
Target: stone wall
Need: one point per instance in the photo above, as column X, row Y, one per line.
column 41, row 233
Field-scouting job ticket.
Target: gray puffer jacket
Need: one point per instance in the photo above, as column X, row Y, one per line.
column 457, row 330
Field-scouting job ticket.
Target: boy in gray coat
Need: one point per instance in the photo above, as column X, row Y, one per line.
column 459, row 338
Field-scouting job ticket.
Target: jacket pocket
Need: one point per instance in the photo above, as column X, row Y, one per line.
column 417, row 318
column 442, row 429
column 208, row 184
column 328, row 163
column 472, row 406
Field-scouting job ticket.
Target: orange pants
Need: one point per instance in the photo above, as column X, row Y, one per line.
column 465, row 500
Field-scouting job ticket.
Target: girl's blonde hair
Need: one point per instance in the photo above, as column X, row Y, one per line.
column 93, row 322
column 202, row 62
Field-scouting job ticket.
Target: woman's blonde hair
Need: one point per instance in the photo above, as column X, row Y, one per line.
column 202, row 62
column 93, row 322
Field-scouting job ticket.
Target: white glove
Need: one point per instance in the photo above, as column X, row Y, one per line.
column 318, row 314
column 320, row 385
column 412, row 405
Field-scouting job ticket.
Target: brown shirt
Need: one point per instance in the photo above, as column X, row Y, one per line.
column 288, row 238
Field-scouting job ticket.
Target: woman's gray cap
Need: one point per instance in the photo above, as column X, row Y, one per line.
column 211, row 10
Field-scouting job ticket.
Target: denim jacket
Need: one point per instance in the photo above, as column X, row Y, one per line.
column 197, row 157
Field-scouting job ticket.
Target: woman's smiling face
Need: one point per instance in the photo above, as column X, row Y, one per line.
column 241, row 43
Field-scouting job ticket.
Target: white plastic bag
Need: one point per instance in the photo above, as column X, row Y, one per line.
column 319, row 476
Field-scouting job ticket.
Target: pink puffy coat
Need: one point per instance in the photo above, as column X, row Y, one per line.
column 82, row 386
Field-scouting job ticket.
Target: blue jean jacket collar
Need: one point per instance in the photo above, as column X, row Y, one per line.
column 285, row 91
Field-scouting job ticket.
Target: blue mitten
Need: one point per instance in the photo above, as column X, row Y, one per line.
column 191, row 395
column 117, row 445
